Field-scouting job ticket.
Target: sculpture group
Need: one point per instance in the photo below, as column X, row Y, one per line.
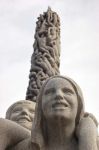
column 53, row 118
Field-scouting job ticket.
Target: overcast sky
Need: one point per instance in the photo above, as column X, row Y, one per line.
column 79, row 46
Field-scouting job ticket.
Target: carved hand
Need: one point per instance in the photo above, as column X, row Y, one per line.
column 87, row 133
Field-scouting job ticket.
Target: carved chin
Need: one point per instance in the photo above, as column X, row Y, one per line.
column 26, row 125
column 59, row 112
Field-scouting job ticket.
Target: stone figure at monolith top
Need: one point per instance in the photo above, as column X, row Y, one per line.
column 45, row 58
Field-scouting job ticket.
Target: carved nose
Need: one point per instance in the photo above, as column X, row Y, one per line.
column 24, row 112
column 59, row 95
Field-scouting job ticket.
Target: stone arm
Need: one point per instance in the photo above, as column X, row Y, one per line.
column 11, row 133
column 24, row 145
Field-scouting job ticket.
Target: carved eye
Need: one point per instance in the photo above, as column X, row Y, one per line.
column 67, row 91
column 16, row 111
column 31, row 110
column 49, row 91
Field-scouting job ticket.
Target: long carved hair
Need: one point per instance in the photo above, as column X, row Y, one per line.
column 39, row 131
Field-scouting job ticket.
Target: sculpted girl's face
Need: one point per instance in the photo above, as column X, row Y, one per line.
column 23, row 114
column 59, row 99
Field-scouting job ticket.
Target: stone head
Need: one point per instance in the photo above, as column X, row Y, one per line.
column 22, row 112
column 59, row 100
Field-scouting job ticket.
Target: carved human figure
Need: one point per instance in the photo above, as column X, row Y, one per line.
column 22, row 112
column 60, row 122
column 46, row 54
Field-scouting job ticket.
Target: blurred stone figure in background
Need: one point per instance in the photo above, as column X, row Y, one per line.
column 60, row 121
column 45, row 60
column 22, row 112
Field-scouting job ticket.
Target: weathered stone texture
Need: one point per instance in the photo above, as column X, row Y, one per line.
column 45, row 58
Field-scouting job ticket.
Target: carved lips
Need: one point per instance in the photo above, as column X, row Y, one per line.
column 23, row 119
column 60, row 105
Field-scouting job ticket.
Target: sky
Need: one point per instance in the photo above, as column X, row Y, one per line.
column 79, row 47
